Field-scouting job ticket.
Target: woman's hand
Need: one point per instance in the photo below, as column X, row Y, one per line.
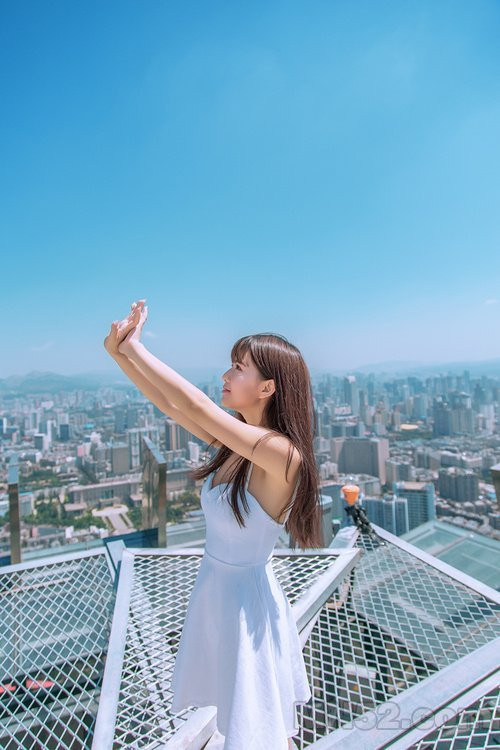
column 133, row 330
column 121, row 328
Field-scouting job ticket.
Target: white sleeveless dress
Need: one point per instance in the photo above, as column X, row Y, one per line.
column 240, row 649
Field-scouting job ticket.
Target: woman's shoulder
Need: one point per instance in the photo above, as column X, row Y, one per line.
column 291, row 468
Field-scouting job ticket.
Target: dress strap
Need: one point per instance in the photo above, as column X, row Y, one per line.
column 293, row 497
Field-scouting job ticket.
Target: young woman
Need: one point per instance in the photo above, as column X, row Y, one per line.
column 240, row 648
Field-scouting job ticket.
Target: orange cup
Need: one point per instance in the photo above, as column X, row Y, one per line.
column 351, row 492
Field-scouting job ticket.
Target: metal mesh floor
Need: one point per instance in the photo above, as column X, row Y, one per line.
column 477, row 726
column 152, row 599
column 400, row 622
column 389, row 633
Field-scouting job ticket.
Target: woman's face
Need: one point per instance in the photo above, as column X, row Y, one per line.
column 242, row 381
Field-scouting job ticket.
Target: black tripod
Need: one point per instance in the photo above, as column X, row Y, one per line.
column 361, row 521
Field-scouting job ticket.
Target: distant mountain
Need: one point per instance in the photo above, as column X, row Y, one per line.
column 51, row 382
column 393, row 365
column 390, row 366
column 404, row 368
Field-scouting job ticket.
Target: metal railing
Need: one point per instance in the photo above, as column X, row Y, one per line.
column 55, row 621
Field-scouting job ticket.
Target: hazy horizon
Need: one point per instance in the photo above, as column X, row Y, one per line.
column 487, row 367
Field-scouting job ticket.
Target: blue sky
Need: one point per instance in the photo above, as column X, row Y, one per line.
column 325, row 170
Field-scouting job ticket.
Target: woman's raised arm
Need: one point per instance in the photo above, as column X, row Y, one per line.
column 157, row 398
column 139, row 378
column 271, row 454
column 240, row 437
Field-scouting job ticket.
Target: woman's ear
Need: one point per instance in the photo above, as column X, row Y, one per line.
column 268, row 387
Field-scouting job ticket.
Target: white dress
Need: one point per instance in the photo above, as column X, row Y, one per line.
column 240, row 648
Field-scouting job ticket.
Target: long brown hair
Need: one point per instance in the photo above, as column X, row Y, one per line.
column 289, row 411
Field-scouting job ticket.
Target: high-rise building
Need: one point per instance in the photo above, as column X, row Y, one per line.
column 176, row 436
column 362, row 455
column 391, row 513
column 120, row 456
column 421, row 498
column 457, row 484
column 351, row 393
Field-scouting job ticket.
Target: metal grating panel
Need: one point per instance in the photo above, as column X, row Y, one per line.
column 477, row 726
column 400, row 629
column 400, row 621
column 435, row 615
column 152, row 599
column 55, row 621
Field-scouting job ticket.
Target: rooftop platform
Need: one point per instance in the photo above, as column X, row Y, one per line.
column 402, row 650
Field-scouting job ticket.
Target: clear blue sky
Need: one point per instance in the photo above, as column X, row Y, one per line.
column 326, row 170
